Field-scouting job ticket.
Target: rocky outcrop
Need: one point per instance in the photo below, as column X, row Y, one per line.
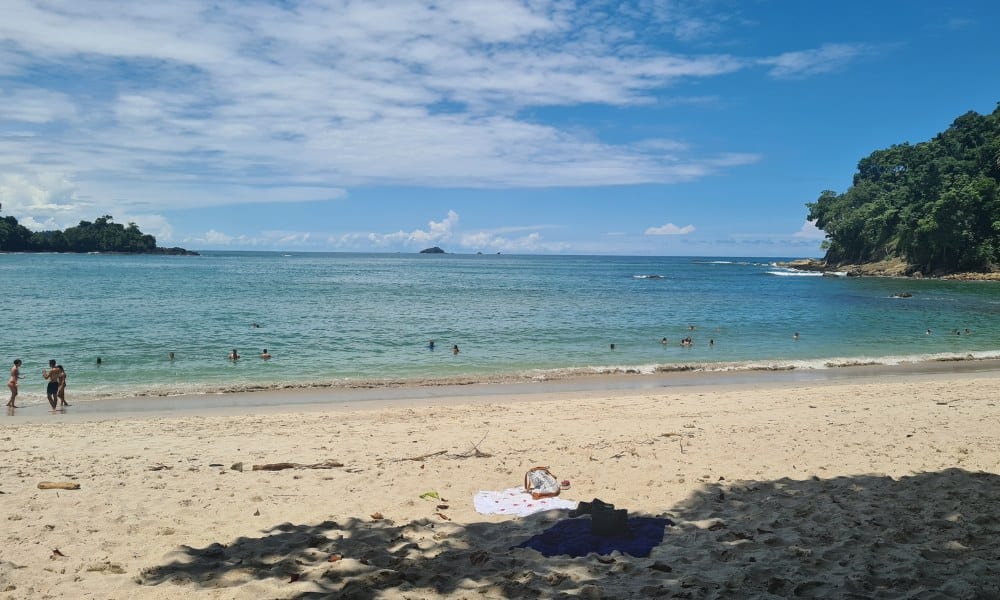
column 434, row 250
column 891, row 267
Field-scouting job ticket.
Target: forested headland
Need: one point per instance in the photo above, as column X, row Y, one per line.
column 934, row 205
column 103, row 235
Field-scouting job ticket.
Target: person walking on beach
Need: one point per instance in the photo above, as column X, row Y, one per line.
column 15, row 374
column 52, row 389
column 61, row 393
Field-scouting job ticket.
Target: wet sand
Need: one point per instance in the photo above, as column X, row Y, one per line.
column 393, row 394
column 865, row 482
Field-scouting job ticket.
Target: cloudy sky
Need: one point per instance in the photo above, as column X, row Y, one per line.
column 664, row 127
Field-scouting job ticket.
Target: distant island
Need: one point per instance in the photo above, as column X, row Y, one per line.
column 930, row 209
column 102, row 235
column 434, row 250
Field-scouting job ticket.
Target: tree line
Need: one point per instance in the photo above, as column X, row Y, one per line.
column 103, row 235
column 934, row 204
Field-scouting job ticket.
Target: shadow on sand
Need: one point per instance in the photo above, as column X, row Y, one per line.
column 932, row 535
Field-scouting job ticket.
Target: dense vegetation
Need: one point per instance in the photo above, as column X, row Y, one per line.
column 934, row 204
column 102, row 235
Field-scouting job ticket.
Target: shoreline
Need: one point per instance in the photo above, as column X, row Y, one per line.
column 436, row 393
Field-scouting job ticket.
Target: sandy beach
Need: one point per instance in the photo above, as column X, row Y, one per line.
column 871, row 487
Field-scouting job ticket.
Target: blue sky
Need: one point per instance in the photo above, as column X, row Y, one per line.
column 646, row 127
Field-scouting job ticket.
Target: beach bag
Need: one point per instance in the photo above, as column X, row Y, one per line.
column 541, row 483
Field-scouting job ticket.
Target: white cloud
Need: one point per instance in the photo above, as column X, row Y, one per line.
column 447, row 233
column 44, row 201
column 809, row 231
column 670, row 229
column 283, row 98
column 214, row 237
column 438, row 231
column 826, row 58
column 492, row 242
column 156, row 225
column 37, row 106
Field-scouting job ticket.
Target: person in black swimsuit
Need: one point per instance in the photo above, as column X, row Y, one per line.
column 52, row 389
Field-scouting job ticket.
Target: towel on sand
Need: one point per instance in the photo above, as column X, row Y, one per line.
column 573, row 537
column 517, row 502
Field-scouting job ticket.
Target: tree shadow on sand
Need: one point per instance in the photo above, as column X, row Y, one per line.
column 932, row 535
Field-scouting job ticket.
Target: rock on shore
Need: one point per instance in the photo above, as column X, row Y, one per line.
column 892, row 267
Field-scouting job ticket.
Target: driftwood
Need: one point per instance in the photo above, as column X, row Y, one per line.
column 326, row 464
column 475, row 451
column 58, row 485
column 423, row 456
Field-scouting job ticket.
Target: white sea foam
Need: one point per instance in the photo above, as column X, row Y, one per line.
column 150, row 394
column 795, row 273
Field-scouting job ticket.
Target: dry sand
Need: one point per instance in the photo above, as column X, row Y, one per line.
column 872, row 488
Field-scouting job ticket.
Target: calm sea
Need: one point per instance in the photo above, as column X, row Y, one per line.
column 358, row 319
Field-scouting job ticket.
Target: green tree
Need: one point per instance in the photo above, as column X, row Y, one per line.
column 935, row 204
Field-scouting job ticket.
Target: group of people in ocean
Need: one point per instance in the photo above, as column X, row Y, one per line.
column 55, row 390
column 431, row 346
column 235, row 354
column 687, row 341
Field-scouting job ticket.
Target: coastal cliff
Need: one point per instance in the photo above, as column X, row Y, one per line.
column 930, row 209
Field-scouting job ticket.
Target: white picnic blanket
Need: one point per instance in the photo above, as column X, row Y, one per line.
column 517, row 502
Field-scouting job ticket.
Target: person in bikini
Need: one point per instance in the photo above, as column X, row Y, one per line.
column 62, row 387
column 15, row 374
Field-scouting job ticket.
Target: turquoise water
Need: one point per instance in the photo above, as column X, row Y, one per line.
column 357, row 319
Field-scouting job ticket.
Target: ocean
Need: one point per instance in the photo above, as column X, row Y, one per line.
column 362, row 320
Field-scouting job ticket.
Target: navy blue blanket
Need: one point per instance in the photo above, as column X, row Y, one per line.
column 573, row 537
